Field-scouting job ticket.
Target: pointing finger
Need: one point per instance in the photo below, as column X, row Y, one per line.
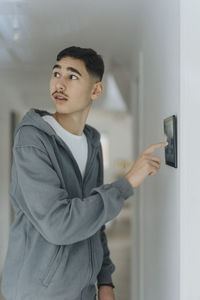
column 153, row 147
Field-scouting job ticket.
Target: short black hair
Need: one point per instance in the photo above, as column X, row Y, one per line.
column 93, row 62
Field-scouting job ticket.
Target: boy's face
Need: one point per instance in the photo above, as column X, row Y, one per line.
column 71, row 81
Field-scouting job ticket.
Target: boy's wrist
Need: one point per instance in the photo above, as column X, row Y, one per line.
column 128, row 177
column 106, row 284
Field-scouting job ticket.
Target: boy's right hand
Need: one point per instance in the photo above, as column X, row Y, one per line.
column 146, row 164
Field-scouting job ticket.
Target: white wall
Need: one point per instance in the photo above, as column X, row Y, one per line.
column 156, row 224
column 190, row 158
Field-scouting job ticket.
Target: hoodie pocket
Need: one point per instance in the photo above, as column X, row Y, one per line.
column 52, row 266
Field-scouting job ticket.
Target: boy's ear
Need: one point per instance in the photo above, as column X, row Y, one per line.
column 97, row 90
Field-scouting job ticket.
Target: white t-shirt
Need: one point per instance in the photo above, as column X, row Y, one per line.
column 77, row 144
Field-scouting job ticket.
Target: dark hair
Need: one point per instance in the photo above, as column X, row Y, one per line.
column 93, row 62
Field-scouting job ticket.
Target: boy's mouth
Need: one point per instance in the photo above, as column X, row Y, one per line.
column 59, row 97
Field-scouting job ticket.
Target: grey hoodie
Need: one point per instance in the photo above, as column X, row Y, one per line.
column 57, row 247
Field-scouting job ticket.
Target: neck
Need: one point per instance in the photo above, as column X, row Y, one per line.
column 74, row 123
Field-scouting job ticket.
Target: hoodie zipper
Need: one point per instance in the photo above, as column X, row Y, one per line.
column 91, row 256
column 92, row 268
column 89, row 240
column 90, row 244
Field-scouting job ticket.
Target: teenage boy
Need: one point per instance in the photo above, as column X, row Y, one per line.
column 57, row 244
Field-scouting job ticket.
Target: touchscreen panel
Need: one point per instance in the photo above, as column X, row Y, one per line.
column 170, row 131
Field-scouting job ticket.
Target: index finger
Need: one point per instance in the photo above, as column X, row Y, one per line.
column 153, row 147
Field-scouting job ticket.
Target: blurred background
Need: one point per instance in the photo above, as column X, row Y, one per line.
column 152, row 68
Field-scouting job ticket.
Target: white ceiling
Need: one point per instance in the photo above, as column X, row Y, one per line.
column 32, row 32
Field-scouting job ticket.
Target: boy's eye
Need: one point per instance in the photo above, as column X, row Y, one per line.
column 73, row 76
column 55, row 74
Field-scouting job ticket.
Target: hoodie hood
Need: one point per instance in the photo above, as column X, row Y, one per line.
column 34, row 118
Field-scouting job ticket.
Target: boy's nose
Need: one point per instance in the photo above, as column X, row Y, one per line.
column 60, row 85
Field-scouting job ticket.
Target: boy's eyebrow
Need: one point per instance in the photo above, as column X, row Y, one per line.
column 68, row 69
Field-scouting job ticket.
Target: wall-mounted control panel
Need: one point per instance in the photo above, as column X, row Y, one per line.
column 170, row 131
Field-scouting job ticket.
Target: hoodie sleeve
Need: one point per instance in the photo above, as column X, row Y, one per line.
column 59, row 219
column 104, row 277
